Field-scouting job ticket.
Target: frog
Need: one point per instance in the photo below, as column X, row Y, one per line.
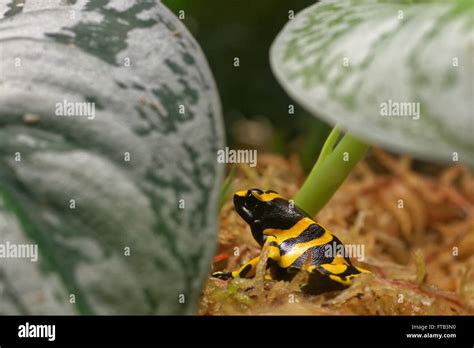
column 294, row 242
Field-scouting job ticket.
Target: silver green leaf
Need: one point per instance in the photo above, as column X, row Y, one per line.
column 395, row 73
column 121, row 202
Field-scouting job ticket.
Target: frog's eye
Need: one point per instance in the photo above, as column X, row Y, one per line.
column 256, row 195
column 254, row 190
column 253, row 198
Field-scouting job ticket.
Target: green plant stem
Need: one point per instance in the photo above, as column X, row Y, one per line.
column 330, row 171
column 313, row 141
column 327, row 148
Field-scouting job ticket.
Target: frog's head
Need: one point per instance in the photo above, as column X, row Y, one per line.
column 266, row 210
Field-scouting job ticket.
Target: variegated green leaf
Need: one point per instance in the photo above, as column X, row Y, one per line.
column 396, row 73
column 121, row 205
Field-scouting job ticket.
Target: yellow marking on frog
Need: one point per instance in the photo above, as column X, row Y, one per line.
column 336, row 269
column 362, row 270
column 266, row 197
column 292, row 232
column 340, row 280
column 241, row 193
column 289, row 258
column 251, row 272
column 337, row 266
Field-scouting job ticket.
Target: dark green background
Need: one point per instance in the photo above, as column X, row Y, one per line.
column 246, row 29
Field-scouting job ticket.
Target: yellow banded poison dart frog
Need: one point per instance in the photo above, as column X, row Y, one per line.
column 292, row 237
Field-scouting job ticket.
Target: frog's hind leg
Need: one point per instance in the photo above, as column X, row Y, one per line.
column 336, row 275
column 320, row 282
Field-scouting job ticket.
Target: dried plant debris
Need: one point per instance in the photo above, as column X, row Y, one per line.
column 417, row 230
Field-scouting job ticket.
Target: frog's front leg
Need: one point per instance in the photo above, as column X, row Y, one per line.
column 248, row 269
column 273, row 249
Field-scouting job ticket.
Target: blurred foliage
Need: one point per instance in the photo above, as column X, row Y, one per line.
column 332, row 60
column 246, row 29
